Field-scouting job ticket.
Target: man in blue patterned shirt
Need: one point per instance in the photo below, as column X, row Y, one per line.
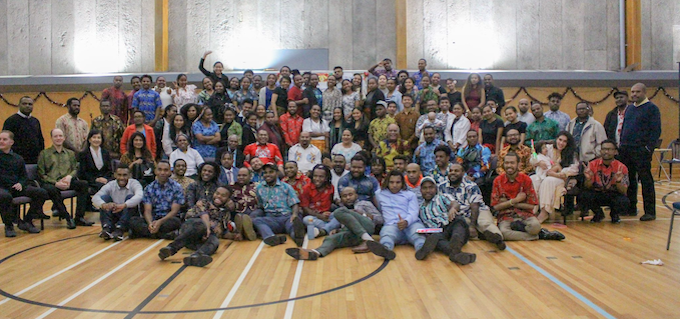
column 472, row 207
column 442, row 156
column 162, row 201
column 424, row 154
column 366, row 186
column 442, row 211
column 148, row 101
column 562, row 119
column 281, row 206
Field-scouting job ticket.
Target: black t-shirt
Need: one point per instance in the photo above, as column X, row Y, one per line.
column 489, row 130
column 455, row 97
column 282, row 97
column 520, row 126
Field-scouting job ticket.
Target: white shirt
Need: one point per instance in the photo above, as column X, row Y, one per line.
column 334, row 180
column 166, row 142
column 460, row 130
column 316, row 127
column 166, row 98
column 348, row 153
column 192, row 157
column 526, row 117
column 306, row 158
column 97, row 157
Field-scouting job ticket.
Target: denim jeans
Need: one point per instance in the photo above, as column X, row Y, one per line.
column 267, row 226
column 331, row 224
column 390, row 235
column 118, row 220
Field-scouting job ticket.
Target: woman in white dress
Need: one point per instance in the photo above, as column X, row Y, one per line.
column 318, row 128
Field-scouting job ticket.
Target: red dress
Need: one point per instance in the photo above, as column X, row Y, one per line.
column 473, row 98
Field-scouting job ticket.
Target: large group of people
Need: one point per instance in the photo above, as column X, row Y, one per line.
column 404, row 156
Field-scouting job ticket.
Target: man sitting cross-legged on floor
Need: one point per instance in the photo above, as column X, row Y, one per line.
column 360, row 219
column 400, row 211
column 162, row 200
column 115, row 201
column 606, row 184
column 442, row 211
column 281, row 207
column 316, row 199
column 472, row 206
column 205, row 221
column 514, row 198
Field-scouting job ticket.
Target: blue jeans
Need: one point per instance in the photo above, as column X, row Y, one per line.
column 391, row 235
column 267, row 226
column 331, row 224
column 119, row 220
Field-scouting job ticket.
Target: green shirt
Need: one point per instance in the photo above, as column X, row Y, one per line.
column 53, row 165
column 542, row 131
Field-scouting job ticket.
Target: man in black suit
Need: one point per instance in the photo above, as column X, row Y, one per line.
column 233, row 148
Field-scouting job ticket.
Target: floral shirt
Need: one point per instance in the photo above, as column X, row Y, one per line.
column 441, row 176
column 218, row 216
column 349, row 103
column 184, row 181
column 331, row 100
column 365, row 186
column 147, row 101
column 476, row 158
column 112, row 129
column 419, row 77
column 200, row 190
column 560, row 117
column 542, row 131
column 205, row 150
column 185, row 95
column 161, row 197
column 389, row 150
column 378, row 128
column 203, row 97
column 298, row 183
column 291, row 127
column 277, row 200
column 75, row 130
column 466, row 194
column 244, row 197
column 240, row 96
column 524, row 153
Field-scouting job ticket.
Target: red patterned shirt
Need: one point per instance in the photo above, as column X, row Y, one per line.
column 317, row 200
column 298, row 183
column 291, row 127
column 504, row 188
column 603, row 175
column 268, row 153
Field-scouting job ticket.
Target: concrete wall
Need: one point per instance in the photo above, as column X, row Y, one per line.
column 242, row 32
column 660, row 34
column 76, row 36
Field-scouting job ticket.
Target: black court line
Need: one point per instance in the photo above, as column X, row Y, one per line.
column 155, row 293
column 663, row 200
column 128, row 312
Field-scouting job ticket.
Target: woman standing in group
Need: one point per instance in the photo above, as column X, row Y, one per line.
column 245, row 93
column 265, row 96
column 357, row 85
column 280, row 97
column 139, row 159
column 492, row 130
column 208, row 90
column 218, row 102
column 409, row 87
column 177, row 128
column 473, row 92
column 249, row 130
column 189, row 155
column 216, row 75
column 206, row 134
column 317, row 127
column 233, row 87
column 261, row 113
column 372, row 97
column 184, row 93
column 350, row 99
column 475, row 117
column 453, row 94
column 359, row 127
column 337, row 125
column 382, row 84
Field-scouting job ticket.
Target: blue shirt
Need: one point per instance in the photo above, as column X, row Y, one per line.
column 472, row 160
column 161, row 197
column 205, row 150
column 404, row 204
column 147, row 101
column 277, row 200
column 426, row 158
column 366, row 186
column 560, row 117
column 419, row 77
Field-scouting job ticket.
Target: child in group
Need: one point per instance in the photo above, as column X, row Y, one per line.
column 434, row 122
column 542, row 157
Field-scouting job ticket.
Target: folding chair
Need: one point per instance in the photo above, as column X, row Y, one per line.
column 676, row 211
column 22, row 201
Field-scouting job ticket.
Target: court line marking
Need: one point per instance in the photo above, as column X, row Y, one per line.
column 107, row 275
column 290, row 306
column 561, row 284
column 60, row 272
column 239, row 281
column 158, row 290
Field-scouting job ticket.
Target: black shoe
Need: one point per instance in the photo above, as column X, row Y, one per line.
column 550, row 235
column 463, row 258
column 647, row 217
column 9, row 231
column 118, row 234
column 275, row 240
column 170, row 235
column 428, row 246
column 298, row 231
column 81, row 221
column 616, row 220
column 106, row 233
column 495, row 239
column 165, row 252
column 28, row 227
column 42, row 215
column 518, row 225
column 597, row 218
column 380, row 250
column 197, row 260
column 70, row 223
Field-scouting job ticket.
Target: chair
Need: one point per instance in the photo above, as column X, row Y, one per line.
column 22, row 201
column 114, row 165
column 675, row 157
column 676, row 211
column 70, row 194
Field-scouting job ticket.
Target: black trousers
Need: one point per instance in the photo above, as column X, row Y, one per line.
column 638, row 160
column 38, row 197
column 458, row 227
column 58, row 202
column 592, row 200
column 191, row 236
column 140, row 228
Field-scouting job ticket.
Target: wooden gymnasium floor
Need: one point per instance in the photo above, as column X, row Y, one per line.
column 594, row 273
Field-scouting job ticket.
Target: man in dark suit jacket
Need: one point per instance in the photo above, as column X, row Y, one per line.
column 233, row 148
column 28, row 138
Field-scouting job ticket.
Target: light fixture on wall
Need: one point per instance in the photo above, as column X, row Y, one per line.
column 473, row 49
column 97, row 56
column 247, row 53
